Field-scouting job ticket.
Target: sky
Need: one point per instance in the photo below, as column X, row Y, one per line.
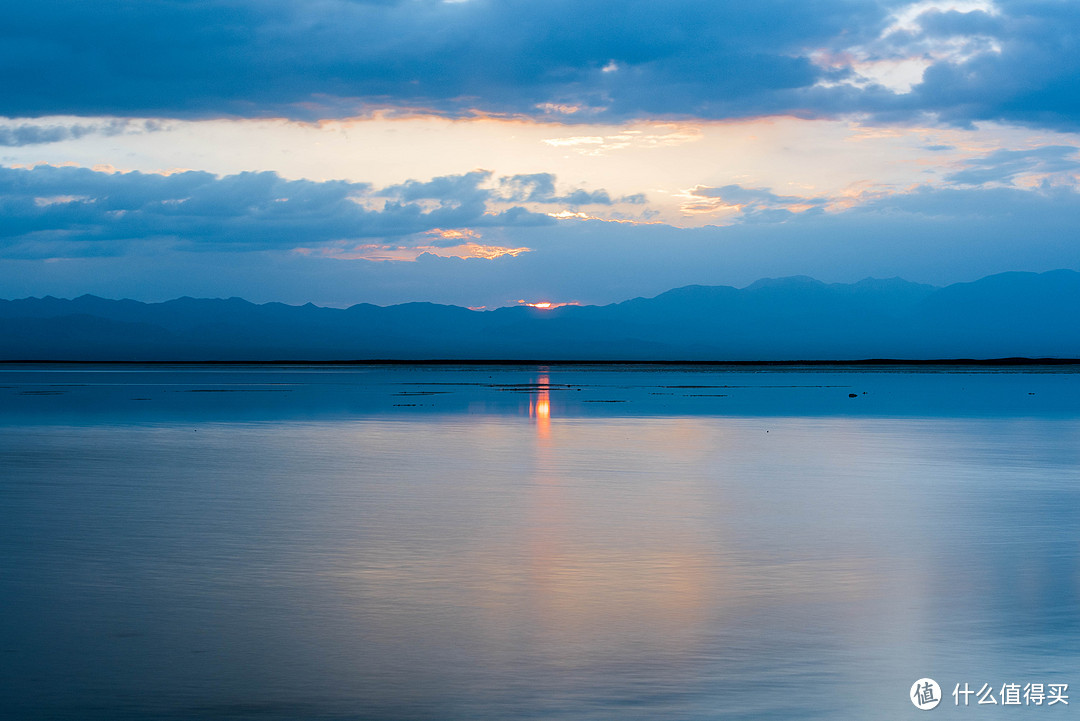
column 488, row 153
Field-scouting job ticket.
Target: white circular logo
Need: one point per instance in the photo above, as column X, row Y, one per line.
column 925, row 694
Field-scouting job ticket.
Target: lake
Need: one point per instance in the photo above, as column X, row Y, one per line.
column 537, row 542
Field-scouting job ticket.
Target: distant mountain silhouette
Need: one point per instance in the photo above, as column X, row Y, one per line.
column 797, row 318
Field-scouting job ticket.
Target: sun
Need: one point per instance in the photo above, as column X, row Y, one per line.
column 546, row 304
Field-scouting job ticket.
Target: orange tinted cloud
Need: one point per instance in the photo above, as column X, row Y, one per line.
column 380, row 252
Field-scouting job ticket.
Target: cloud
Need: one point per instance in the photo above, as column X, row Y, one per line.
column 69, row 211
column 965, row 60
column 477, row 188
column 17, row 134
column 456, row 188
column 540, row 188
column 934, row 235
column 1006, row 166
column 759, row 204
column 665, row 135
column 1014, row 62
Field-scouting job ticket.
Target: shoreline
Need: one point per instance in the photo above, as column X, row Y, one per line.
column 1008, row 362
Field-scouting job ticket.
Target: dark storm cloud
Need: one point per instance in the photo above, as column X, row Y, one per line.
column 305, row 60
column 612, row 60
column 64, row 211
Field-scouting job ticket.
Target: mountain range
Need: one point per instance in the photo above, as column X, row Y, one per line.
column 797, row 318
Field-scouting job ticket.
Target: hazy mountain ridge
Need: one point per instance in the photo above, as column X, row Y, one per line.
column 1010, row 314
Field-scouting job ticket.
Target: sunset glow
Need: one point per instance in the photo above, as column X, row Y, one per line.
column 614, row 167
column 379, row 252
column 546, row 304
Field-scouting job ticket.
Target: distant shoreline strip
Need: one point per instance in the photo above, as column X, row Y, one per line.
column 1012, row 361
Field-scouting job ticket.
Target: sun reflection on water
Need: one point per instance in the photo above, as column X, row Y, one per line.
column 540, row 406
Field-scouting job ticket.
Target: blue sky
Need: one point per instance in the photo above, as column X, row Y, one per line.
column 484, row 153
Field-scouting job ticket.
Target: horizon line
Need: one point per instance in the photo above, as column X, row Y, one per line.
column 1011, row 361
column 555, row 304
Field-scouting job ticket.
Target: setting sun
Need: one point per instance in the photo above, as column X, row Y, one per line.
column 547, row 304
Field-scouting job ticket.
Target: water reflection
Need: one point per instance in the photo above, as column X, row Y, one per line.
column 443, row 565
column 540, row 404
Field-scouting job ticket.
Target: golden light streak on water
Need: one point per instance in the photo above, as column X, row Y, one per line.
column 540, row 407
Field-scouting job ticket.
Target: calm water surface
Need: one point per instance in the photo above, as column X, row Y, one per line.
column 534, row 543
